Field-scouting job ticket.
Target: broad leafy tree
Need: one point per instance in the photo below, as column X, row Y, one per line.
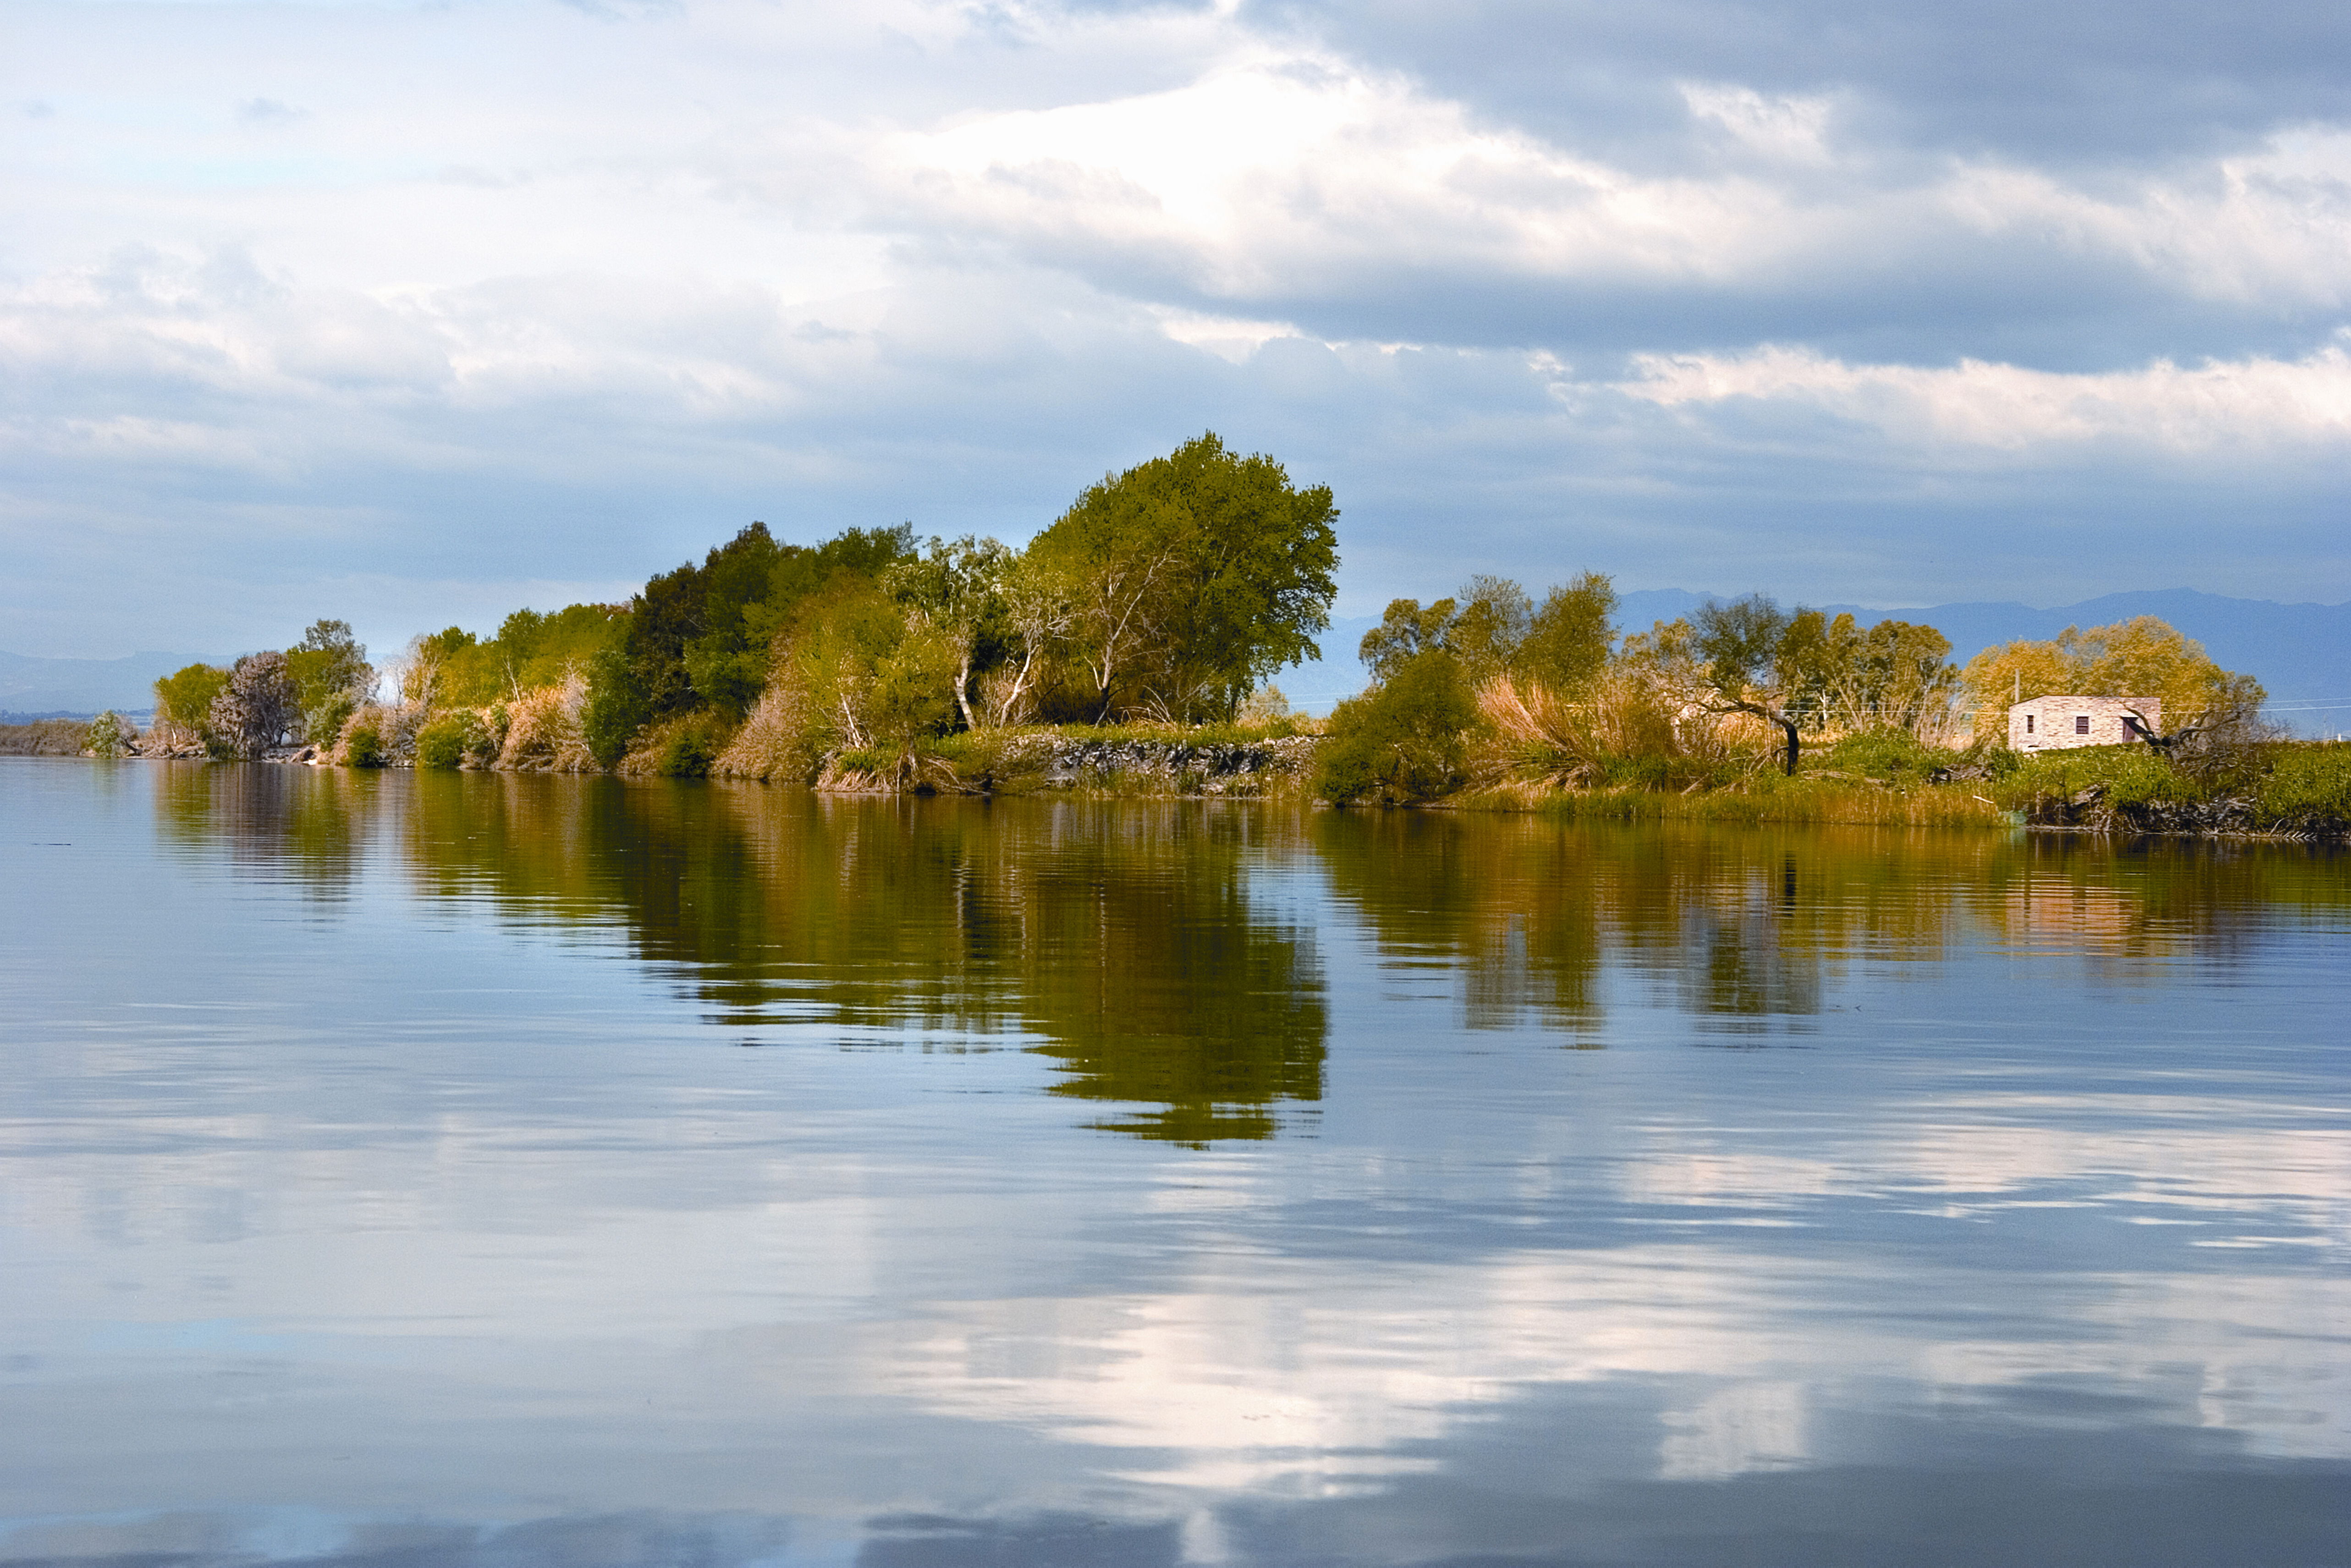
column 1568, row 641
column 1751, row 658
column 1192, row 576
column 1406, row 740
column 185, row 697
column 331, row 677
column 959, row 589
column 2142, row 657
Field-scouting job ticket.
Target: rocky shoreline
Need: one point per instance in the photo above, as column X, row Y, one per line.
column 1045, row 763
column 1021, row 764
column 2224, row 817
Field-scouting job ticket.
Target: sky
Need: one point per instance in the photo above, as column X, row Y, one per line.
column 414, row 314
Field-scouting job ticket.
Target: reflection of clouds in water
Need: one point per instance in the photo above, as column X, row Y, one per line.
column 1747, row 1427
column 2263, row 1358
column 2241, row 1180
column 1309, row 1374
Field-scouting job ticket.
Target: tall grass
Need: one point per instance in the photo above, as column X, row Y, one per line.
column 1622, row 732
column 1626, row 750
column 543, row 729
column 1777, row 800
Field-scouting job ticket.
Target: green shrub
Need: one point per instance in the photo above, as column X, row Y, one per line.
column 1887, row 751
column 687, row 754
column 618, row 706
column 2306, row 787
column 1403, row 742
column 322, row 723
column 450, row 740
column 2123, row 775
column 363, row 747
column 108, row 735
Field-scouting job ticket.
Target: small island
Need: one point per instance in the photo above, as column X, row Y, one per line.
column 1129, row 650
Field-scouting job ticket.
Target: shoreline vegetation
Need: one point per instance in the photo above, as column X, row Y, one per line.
column 1128, row 650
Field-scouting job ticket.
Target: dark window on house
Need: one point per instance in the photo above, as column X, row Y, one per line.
column 2028, row 724
column 2081, row 724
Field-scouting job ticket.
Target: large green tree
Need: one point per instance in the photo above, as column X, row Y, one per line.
column 185, row 697
column 1568, row 642
column 1192, row 576
column 331, row 677
column 1491, row 628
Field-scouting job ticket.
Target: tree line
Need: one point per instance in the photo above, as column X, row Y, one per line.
column 1169, row 592
column 1489, row 687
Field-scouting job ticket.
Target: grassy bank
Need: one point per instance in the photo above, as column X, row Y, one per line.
column 44, row 737
column 2296, row 788
column 1767, row 798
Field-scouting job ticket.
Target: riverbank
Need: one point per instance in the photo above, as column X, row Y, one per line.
column 2290, row 790
column 1203, row 764
column 44, row 737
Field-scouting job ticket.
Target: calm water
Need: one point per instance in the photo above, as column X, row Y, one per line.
column 410, row 1171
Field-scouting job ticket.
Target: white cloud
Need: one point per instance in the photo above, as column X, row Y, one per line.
column 689, row 258
column 2250, row 404
column 1792, row 128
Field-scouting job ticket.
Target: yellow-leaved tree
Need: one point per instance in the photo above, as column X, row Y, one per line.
column 2142, row 657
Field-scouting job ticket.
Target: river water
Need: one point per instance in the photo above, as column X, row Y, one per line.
column 411, row 1170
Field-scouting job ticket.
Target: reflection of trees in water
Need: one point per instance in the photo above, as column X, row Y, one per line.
column 1744, row 926
column 2134, row 908
column 1506, row 900
column 309, row 825
column 1121, row 934
column 1123, row 938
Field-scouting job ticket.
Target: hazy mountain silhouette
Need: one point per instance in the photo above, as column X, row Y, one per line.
column 30, row 685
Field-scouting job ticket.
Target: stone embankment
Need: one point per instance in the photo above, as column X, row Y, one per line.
column 1017, row 764
column 193, row 751
column 1239, row 768
column 1049, row 764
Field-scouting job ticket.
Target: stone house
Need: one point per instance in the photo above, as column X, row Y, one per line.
column 2054, row 723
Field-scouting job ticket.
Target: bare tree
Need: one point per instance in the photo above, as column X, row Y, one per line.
column 1038, row 608
column 259, row 706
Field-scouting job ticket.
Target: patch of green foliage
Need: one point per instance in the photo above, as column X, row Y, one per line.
column 1405, row 741
column 1887, row 751
column 109, row 736
column 363, row 747
column 687, row 754
column 532, row 649
column 2284, row 785
column 2124, row 776
column 2307, row 787
column 450, row 740
column 330, row 674
column 185, row 697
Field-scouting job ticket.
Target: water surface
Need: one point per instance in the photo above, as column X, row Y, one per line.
column 455, row 1169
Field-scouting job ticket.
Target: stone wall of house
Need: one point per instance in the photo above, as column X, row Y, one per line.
column 2054, row 723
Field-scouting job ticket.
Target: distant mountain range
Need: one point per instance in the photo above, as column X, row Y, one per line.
column 2300, row 652
column 54, row 688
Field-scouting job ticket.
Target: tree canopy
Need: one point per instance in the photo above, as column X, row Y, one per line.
column 1192, row 576
column 2141, row 657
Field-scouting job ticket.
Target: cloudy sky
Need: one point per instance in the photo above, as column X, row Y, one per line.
column 415, row 313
